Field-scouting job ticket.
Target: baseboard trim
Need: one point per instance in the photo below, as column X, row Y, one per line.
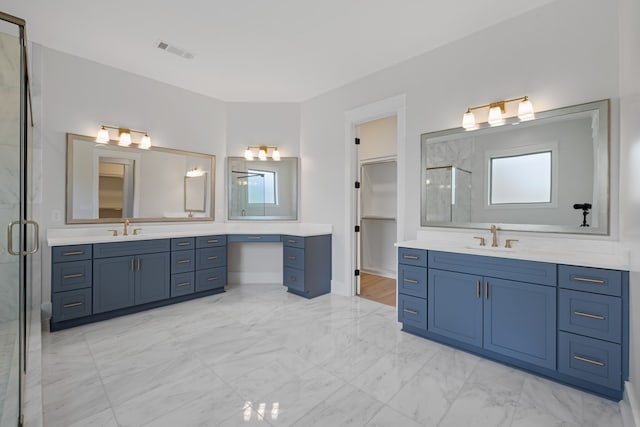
column 384, row 273
column 629, row 407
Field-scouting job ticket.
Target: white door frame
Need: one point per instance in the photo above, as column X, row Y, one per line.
column 353, row 118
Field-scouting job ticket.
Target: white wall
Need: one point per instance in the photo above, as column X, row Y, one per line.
column 630, row 174
column 561, row 54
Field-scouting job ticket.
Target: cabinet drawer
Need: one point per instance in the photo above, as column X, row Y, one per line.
column 71, row 275
column 253, row 238
column 183, row 243
column 597, row 280
column 71, row 304
column 212, row 278
column 412, row 311
column 412, row 281
column 597, row 316
column 183, row 261
column 590, row 359
column 417, row 257
column 295, row 241
column 182, row 284
column 211, row 241
column 294, row 279
column 293, row 257
column 211, row 257
column 71, row 253
column 107, row 250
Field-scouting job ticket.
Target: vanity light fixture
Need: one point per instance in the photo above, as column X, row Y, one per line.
column 497, row 111
column 263, row 152
column 193, row 172
column 124, row 137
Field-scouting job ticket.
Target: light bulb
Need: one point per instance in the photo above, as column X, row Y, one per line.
column 248, row 154
column 469, row 121
column 125, row 139
column 495, row 116
column 103, row 136
column 145, row 142
column 525, row 110
column 262, row 154
column 275, row 155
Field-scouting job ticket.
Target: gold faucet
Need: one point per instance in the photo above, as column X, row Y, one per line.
column 126, row 227
column 494, row 231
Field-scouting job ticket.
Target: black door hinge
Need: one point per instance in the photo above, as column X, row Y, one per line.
column 357, row 228
column 357, row 184
column 357, row 272
column 357, row 141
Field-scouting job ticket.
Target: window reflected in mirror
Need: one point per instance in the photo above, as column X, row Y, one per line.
column 520, row 179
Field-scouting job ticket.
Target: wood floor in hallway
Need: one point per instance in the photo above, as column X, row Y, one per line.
column 378, row 288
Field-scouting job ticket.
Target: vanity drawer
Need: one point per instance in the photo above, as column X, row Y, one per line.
column 589, row 359
column 597, row 316
column 183, row 261
column 253, row 238
column 417, row 257
column 294, row 279
column 71, row 275
column 71, row 253
column 211, row 241
column 293, row 257
column 182, row 284
column 412, row 311
column 597, row 280
column 295, row 241
column 183, row 243
column 211, row 257
column 71, row 304
column 412, row 281
column 211, row 278
column 140, row 247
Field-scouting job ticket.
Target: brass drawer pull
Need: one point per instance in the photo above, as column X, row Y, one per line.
column 254, row 237
column 583, row 279
column 184, row 261
column 73, row 253
column 139, row 264
column 406, row 310
column 292, row 241
column 132, row 261
column 213, row 241
column 590, row 316
column 211, row 279
column 75, row 304
column 409, row 257
column 183, row 284
column 293, row 258
column 413, row 282
column 212, row 257
column 72, row 276
column 478, row 289
column 584, row 359
column 184, row 244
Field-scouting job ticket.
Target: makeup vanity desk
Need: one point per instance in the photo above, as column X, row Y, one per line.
column 97, row 276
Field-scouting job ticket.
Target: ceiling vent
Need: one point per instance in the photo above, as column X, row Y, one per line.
column 168, row 47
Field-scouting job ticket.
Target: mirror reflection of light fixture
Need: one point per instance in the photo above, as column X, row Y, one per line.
column 124, row 137
column 193, row 172
column 497, row 111
column 263, row 152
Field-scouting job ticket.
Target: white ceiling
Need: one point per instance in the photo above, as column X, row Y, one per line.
column 257, row 50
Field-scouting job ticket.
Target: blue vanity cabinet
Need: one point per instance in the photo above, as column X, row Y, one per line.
column 71, row 282
column 183, row 264
column 412, row 289
column 307, row 265
column 210, row 263
column 153, row 280
column 114, row 281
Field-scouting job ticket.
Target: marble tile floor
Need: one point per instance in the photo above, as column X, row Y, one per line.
column 257, row 355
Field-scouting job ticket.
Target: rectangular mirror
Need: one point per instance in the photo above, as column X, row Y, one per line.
column 550, row 174
column 107, row 182
column 262, row 189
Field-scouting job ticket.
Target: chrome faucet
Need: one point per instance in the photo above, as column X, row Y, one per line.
column 126, row 227
column 494, row 231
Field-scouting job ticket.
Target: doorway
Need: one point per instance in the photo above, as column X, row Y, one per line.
column 378, row 171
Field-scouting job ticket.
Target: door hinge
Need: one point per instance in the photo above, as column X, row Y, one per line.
column 357, row 141
column 357, row 184
column 357, row 228
column 357, row 272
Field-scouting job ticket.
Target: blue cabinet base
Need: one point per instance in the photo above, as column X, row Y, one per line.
column 605, row 392
column 57, row 326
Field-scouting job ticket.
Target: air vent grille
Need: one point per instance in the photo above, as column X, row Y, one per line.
column 168, row 47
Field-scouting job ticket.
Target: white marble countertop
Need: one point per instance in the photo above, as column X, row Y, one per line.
column 100, row 234
column 617, row 260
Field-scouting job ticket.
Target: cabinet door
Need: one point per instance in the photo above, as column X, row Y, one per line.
column 520, row 321
column 153, row 281
column 455, row 306
column 113, row 283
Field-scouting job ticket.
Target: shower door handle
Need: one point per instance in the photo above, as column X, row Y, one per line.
column 36, row 238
